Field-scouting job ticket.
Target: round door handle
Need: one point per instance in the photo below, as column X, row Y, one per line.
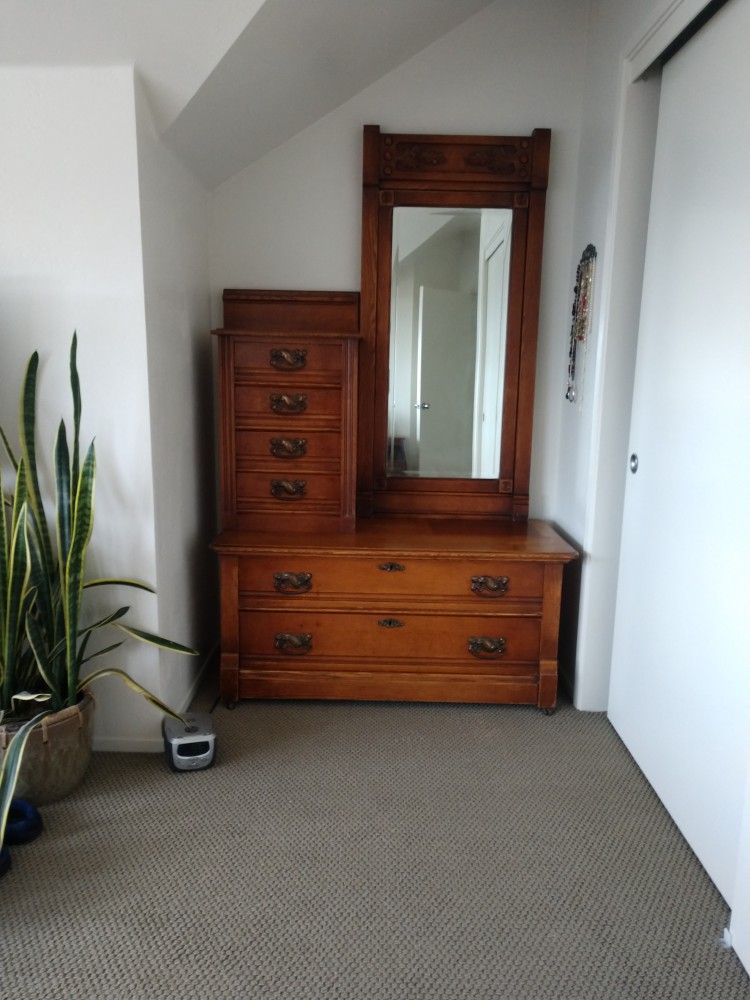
column 634, row 462
column 421, row 406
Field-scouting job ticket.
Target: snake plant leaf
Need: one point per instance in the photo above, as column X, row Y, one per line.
column 4, row 554
column 119, row 582
column 16, row 604
column 83, row 522
column 107, row 620
column 20, row 495
column 75, row 388
column 8, row 450
column 86, row 632
column 134, row 686
column 27, row 432
column 62, row 482
column 43, row 659
column 40, row 697
column 43, row 585
column 11, row 765
column 156, row 640
column 101, row 652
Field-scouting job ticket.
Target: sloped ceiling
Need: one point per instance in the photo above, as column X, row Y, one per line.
column 296, row 61
column 228, row 80
column 175, row 44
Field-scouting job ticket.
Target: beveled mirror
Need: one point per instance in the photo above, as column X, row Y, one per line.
column 451, row 261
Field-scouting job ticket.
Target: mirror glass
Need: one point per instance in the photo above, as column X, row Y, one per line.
column 449, row 296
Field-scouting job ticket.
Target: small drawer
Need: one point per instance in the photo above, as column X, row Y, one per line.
column 288, row 355
column 466, row 639
column 287, row 402
column 287, row 489
column 288, row 447
column 409, row 578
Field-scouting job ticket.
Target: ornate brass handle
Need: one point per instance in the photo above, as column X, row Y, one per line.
column 281, row 402
column 288, row 359
column 293, row 644
column 490, row 586
column 390, row 623
column 288, row 489
column 288, row 447
column 392, row 567
column 486, row 647
column 292, row 583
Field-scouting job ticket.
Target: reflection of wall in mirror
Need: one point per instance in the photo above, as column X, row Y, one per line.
column 430, row 253
column 401, row 348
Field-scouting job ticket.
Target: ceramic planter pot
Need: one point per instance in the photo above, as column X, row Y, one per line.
column 57, row 753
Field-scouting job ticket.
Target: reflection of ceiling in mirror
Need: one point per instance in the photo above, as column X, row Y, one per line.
column 413, row 227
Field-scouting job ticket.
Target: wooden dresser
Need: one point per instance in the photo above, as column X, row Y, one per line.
column 288, row 364
column 345, row 572
column 402, row 609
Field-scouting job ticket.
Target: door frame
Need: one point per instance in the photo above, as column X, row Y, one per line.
column 620, row 287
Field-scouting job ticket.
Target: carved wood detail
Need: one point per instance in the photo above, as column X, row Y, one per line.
column 480, row 157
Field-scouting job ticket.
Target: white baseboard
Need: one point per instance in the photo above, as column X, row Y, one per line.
column 153, row 744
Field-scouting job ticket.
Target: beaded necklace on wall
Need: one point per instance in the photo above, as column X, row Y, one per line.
column 580, row 321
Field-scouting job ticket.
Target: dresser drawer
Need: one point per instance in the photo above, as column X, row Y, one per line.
column 287, row 355
column 286, row 488
column 467, row 639
column 487, row 582
column 289, row 446
column 285, row 401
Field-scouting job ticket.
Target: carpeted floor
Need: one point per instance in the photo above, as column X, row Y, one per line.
column 371, row 851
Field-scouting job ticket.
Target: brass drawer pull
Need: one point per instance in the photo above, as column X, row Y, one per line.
column 293, row 644
column 292, row 583
column 390, row 623
column 288, row 359
column 288, row 447
column 485, row 646
column 288, row 489
column 281, row 402
column 392, row 567
column 490, row 586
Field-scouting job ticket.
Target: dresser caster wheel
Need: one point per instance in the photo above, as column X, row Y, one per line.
column 230, row 704
column 548, row 711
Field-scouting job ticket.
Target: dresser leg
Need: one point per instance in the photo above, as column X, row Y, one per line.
column 548, row 711
column 229, row 680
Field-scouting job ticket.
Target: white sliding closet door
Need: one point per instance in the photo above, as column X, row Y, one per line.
column 680, row 690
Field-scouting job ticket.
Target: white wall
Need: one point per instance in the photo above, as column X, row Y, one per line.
column 70, row 258
column 292, row 219
column 174, row 225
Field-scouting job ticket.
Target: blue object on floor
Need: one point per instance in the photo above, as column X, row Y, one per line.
column 4, row 860
column 24, row 822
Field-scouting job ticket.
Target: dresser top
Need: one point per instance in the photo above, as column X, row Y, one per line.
column 532, row 540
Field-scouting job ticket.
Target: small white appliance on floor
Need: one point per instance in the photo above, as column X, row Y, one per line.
column 190, row 746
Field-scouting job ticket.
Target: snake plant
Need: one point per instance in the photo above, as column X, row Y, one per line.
column 17, row 666
column 10, row 765
column 42, row 573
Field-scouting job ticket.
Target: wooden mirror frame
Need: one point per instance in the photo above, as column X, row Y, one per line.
column 454, row 171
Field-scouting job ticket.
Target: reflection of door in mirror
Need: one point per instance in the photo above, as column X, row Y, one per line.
column 492, row 311
column 447, row 347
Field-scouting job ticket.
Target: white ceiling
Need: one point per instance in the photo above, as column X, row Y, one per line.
column 228, row 80
column 175, row 44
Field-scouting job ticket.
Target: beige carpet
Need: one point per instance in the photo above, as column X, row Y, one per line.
column 368, row 851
